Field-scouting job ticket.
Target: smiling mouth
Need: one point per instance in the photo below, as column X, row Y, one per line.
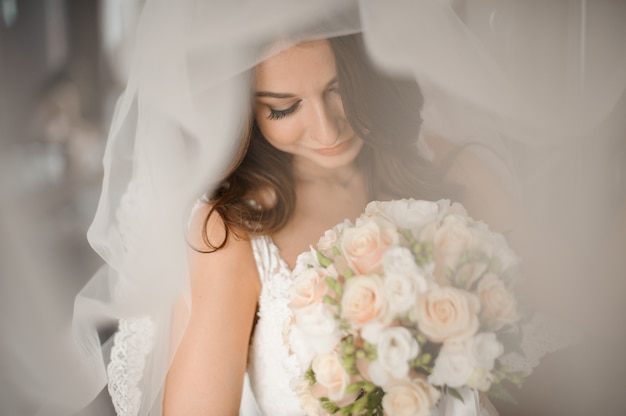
column 335, row 150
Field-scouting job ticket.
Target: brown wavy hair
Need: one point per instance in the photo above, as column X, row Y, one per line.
column 258, row 195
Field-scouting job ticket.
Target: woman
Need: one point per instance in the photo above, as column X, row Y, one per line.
column 183, row 111
column 330, row 133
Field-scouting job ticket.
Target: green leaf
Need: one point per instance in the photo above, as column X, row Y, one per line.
column 359, row 404
column 455, row 393
column 336, row 251
column 329, row 300
column 310, row 376
column 323, row 260
column 334, row 285
column 354, row 387
column 329, row 406
column 348, row 273
column 497, row 391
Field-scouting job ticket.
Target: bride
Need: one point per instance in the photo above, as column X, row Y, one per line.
column 287, row 118
column 329, row 133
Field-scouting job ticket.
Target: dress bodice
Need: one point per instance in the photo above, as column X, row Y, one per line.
column 271, row 367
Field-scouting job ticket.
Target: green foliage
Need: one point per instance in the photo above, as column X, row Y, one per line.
column 310, row 376
column 499, row 392
column 334, row 285
column 323, row 260
column 455, row 393
column 330, row 300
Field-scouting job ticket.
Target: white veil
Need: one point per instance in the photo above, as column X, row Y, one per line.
column 533, row 80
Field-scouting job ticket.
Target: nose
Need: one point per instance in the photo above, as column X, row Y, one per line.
column 326, row 124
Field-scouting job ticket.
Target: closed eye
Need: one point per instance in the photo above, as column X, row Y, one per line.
column 278, row 114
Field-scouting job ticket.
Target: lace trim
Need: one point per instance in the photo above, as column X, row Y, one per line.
column 132, row 343
column 541, row 336
column 273, row 302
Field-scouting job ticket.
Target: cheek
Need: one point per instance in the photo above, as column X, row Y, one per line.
column 279, row 133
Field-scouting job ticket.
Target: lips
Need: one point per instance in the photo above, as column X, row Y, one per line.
column 335, row 150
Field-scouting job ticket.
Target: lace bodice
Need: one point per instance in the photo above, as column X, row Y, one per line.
column 271, row 367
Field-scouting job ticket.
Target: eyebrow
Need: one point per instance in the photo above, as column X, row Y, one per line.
column 286, row 95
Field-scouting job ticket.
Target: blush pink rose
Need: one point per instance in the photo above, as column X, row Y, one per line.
column 330, row 374
column 363, row 300
column 363, row 246
column 309, row 287
column 499, row 306
column 446, row 313
column 414, row 398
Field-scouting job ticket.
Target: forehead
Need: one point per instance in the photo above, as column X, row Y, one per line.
column 306, row 63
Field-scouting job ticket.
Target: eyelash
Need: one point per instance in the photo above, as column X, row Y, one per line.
column 278, row 114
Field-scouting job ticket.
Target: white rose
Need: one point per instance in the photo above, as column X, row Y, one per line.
column 310, row 403
column 414, row 398
column 414, row 214
column 486, row 349
column 363, row 246
column 374, row 208
column 329, row 373
column 400, row 291
column 327, row 240
column 502, row 251
column 396, row 347
column 363, row 301
column 403, row 279
column 457, row 209
column 454, row 365
column 446, row 313
column 319, row 327
column 304, row 261
column 480, row 380
column 309, row 287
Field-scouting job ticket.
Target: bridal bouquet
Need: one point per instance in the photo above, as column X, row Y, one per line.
column 413, row 300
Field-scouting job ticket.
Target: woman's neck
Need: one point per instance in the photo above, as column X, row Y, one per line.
column 307, row 171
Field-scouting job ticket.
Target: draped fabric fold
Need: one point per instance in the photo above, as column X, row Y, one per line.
column 520, row 77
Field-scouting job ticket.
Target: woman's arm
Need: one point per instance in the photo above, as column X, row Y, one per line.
column 206, row 375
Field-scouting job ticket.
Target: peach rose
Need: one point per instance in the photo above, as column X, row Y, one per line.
column 364, row 245
column 362, row 300
column 452, row 238
column 309, row 287
column 414, row 398
column 499, row 306
column 446, row 313
column 330, row 374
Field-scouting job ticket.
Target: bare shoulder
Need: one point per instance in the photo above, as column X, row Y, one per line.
column 231, row 264
column 206, row 375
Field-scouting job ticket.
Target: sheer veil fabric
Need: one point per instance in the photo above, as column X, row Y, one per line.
column 531, row 80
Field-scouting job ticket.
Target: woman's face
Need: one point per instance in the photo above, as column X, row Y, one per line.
column 298, row 107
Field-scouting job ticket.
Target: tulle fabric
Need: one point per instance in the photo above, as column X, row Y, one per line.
column 513, row 76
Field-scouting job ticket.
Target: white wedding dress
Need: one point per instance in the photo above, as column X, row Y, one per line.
column 271, row 367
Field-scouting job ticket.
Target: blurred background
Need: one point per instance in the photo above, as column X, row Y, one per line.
column 63, row 64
